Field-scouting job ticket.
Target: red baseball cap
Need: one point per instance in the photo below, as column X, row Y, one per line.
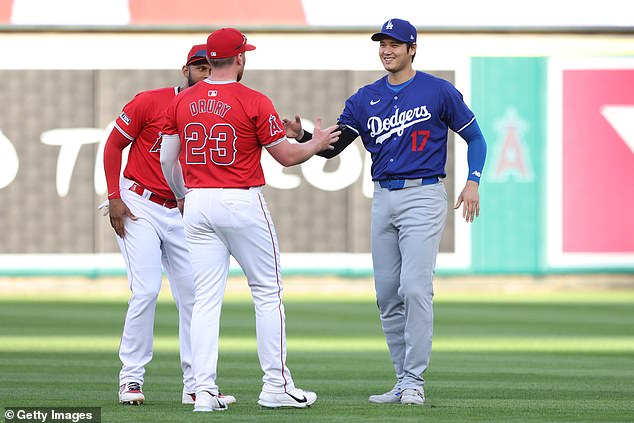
column 227, row 42
column 197, row 53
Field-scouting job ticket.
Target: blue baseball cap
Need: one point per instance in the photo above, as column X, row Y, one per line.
column 399, row 29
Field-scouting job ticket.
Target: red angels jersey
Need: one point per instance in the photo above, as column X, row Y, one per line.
column 223, row 126
column 141, row 121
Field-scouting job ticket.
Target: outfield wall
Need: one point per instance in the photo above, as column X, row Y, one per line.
column 556, row 110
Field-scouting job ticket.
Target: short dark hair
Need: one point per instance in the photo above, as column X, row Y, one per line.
column 409, row 46
column 221, row 63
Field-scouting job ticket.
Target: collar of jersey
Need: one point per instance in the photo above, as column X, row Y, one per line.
column 399, row 87
column 209, row 81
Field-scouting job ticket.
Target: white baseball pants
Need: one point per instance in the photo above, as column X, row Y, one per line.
column 223, row 222
column 155, row 238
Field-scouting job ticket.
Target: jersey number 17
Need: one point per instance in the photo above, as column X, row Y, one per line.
column 423, row 134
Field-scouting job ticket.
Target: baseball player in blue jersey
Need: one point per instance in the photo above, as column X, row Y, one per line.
column 402, row 120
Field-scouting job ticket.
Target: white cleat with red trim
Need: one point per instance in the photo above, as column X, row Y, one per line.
column 131, row 393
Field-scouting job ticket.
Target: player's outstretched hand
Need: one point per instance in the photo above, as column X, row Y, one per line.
column 293, row 127
column 118, row 213
column 325, row 137
column 471, row 199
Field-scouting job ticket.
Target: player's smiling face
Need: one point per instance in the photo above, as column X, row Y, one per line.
column 395, row 55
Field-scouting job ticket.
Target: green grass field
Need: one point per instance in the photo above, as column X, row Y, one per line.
column 561, row 357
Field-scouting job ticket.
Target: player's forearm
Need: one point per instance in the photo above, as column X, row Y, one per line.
column 112, row 161
column 299, row 153
column 348, row 135
column 476, row 150
column 170, row 165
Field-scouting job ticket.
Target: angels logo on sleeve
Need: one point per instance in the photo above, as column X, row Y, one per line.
column 274, row 125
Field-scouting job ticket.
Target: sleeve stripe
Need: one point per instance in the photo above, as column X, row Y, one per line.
column 123, row 132
column 466, row 124
column 276, row 142
column 357, row 132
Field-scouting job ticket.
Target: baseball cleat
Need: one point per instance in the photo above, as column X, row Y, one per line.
column 189, row 399
column 295, row 398
column 131, row 393
column 392, row 396
column 227, row 399
column 413, row 397
column 206, row 402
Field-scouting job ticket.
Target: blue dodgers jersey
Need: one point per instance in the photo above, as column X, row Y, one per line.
column 406, row 131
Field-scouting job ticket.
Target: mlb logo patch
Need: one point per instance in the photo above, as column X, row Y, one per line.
column 212, row 93
column 212, row 54
column 125, row 118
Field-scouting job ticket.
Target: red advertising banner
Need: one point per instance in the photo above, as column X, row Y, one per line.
column 598, row 160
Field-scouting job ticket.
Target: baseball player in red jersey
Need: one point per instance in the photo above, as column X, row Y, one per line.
column 221, row 126
column 149, row 229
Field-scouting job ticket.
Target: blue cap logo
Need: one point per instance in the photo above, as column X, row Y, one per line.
column 398, row 29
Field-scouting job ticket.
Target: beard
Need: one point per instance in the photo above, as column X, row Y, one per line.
column 241, row 70
column 190, row 81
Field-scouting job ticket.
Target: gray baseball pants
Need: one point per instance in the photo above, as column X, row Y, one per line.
column 407, row 225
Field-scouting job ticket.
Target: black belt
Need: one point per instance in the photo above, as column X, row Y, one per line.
column 393, row 184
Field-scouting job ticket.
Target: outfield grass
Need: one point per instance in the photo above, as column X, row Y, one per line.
column 497, row 358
